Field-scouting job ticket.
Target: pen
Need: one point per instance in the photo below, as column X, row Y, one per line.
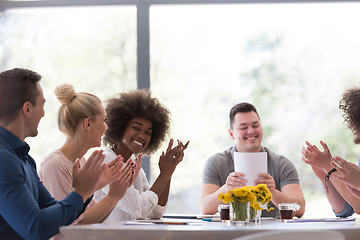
column 207, row 219
column 172, row 223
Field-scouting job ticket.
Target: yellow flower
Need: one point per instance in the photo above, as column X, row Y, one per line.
column 227, row 198
column 255, row 195
column 256, row 206
column 269, row 208
column 240, row 192
column 262, row 193
column 221, row 196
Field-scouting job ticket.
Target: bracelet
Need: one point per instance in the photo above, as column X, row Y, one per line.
column 330, row 172
column 327, row 179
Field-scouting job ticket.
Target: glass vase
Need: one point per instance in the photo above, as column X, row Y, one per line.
column 239, row 213
column 255, row 215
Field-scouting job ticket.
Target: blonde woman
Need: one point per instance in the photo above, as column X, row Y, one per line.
column 81, row 117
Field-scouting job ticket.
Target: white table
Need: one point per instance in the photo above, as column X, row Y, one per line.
column 199, row 230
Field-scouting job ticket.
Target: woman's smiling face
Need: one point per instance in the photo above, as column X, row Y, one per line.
column 137, row 134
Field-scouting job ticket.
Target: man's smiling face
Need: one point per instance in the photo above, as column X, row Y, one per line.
column 247, row 132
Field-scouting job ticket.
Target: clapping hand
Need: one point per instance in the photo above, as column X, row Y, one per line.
column 172, row 157
column 136, row 167
column 316, row 158
column 118, row 187
column 349, row 173
column 86, row 178
column 111, row 172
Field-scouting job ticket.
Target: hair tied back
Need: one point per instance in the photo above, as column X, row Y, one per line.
column 65, row 93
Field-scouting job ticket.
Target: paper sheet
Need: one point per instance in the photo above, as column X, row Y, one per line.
column 336, row 219
column 251, row 164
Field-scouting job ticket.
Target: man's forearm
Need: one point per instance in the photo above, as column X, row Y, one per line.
column 209, row 202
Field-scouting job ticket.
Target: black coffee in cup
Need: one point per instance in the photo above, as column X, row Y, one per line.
column 224, row 210
column 287, row 214
column 287, row 210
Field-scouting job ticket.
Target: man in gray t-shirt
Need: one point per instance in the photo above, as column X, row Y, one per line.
column 219, row 176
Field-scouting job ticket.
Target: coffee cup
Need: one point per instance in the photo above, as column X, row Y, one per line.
column 287, row 210
column 224, row 210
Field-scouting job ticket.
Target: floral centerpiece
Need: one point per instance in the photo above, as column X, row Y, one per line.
column 263, row 197
column 245, row 202
column 240, row 200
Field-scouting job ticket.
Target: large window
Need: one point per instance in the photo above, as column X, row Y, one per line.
column 293, row 61
column 92, row 48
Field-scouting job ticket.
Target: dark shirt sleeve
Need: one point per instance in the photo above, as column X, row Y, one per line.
column 45, row 198
column 30, row 210
column 86, row 203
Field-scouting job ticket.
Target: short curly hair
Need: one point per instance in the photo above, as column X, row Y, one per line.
column 136, row 104
column 350, row 105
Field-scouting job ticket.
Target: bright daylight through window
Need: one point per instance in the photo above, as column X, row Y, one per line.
column 292, row 61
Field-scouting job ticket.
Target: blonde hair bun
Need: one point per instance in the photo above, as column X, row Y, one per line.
column 65, row 93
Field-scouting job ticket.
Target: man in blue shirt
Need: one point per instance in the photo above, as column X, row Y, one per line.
column 27, row 210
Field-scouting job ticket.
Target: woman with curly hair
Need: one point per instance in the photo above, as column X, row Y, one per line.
column 340, row 179
column 138, row 124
